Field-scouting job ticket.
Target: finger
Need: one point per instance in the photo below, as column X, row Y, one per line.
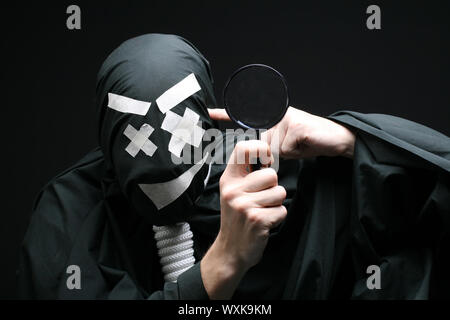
column 260, row 180
column 246, row 153
column 271, row 217
column 275, row 136
column 267, row 135
column 219, row 114
column 268, row 198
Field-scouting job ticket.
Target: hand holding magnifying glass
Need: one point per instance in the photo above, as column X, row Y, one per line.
column 255, row 199
column 256, row 97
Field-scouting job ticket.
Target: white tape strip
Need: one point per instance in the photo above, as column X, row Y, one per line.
column 188, row 130
column 184, row 130
column 176, row 145
column 170, row 122
column 178, row 93
column 205, row 182
column 139, row 140
column 127, row 105
column 164, row 193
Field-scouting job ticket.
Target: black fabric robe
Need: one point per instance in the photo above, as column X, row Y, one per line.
column 389, row 206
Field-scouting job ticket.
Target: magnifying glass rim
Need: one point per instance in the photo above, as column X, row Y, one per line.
column 271, row 123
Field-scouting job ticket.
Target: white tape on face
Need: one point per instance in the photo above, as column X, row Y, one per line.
column 164, row 193
column 139, row 140
column 184, row 130
column 178, row 93
column 176, row 145
column 127, row 105
column 205, row 182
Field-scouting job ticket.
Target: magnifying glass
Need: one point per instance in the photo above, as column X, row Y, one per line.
column 256, row 97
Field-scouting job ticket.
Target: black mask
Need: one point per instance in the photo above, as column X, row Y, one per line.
column 129, row 83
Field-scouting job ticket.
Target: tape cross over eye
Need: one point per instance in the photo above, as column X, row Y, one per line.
column 184, row 130
column 139, row 140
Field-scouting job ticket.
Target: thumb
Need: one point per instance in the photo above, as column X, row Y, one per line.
column 219, row 114
column 246, row 153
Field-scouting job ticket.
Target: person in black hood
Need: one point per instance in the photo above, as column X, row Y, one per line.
column 359, row 190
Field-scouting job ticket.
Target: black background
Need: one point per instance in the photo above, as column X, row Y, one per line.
column 329, row 57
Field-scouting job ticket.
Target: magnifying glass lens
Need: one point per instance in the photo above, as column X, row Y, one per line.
column 256, row 97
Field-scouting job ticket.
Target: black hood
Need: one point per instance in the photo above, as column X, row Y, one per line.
column 142, row 69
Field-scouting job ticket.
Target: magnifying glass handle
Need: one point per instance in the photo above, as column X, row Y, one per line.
column 258, row 164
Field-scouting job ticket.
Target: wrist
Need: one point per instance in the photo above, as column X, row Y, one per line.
column 220, row 271
column 348, row 143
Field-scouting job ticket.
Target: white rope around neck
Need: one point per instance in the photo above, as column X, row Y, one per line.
column 175, row 248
